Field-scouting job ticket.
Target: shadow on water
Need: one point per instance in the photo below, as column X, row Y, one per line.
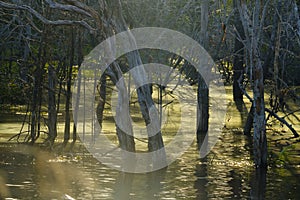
column 241, row 107
column 151, row 185
column 227, row 172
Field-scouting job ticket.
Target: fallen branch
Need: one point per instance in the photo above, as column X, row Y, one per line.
column 282, row 121
column 270, row 112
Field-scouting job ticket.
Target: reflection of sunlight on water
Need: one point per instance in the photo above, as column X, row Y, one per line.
column 232, row 163
column 225, row 173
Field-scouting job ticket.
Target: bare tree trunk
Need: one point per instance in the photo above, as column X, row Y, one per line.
column 37, row 96
column 277, row 30
column 52, row 115
column 238, row 60
column 297, row 18
column 101, row 102
column 68, row 92
column 148, row 109
column 123, row 125
column 272, row 42
column 202, row 92
column 253, row 33
column 249, row 122
column 203, row 108
column 79, row 61
column 259, row 136
column 76, row 107
column 33, row 120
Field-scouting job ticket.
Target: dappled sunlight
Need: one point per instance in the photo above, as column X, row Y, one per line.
column 149, row 99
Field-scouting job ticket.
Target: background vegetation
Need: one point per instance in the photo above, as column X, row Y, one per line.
column 255, row 45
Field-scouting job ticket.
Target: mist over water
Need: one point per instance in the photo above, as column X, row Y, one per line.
column 227, row 172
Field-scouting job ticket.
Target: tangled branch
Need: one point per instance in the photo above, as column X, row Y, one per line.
column 50, row 22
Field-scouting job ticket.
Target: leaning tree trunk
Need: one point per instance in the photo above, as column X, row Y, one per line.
column 123, row 125
column 148, row 109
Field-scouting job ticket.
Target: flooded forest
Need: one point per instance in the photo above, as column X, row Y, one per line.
column 149, row 99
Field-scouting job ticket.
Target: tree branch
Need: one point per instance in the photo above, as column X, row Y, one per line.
column 271, row 112
column 45, row 20
column 92, row 12
column 71, row 8
column 282, row 121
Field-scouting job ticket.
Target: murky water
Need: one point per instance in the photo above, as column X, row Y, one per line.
column 227, row 172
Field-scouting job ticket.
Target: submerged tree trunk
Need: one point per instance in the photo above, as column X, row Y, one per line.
column 249, row 122
column 68, row 92
column 123, row 123
column 101, row 102
column 37, row 96
column 79, row 61
column 253, row 31
column 202, row 92
column 259, row 126
column 203, row 106
column 52, row 115
column 148, row 109
column 258, row 184
column 76, row 107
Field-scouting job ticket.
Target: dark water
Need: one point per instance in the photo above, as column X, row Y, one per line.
column 226, row 173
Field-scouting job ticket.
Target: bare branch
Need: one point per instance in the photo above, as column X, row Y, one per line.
column 283, row 121
column 43, row 19
column 55, row 5
column 263, row 18
column 92, row 12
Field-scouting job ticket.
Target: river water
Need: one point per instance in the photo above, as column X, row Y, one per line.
column 226, row 173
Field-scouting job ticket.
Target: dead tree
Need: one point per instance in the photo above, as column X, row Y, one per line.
column 238, row 60
column 252, row 27
column 202, row 91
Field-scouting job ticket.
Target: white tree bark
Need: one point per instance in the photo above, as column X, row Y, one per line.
column 253, row 30
column 147, row 106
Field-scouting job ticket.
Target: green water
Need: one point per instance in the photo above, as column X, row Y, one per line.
column 226, row 173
